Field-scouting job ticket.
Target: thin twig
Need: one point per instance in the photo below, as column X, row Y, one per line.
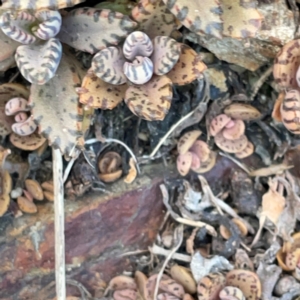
column 155, row 249
column 179, row 236
column 59, row 225
column 258, row 84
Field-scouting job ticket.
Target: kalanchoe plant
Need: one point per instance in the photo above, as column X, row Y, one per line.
column 148, row 62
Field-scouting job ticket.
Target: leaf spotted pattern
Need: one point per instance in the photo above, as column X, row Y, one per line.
column 55, row 106
column 38, row 63
column 152, row 100
column 81, row 29
column 38, row 4
column 200, row 16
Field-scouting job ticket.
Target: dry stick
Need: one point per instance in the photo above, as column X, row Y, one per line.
column 59, row 225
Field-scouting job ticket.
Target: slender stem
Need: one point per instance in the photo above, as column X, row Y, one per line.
column 59, row 225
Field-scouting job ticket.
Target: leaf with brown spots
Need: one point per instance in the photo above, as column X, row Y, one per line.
column 55, row 106
column 28, row 142
column 99, row 94
column 154, row 18
column 150, row 101
column 241, row 19
column 188, row 68
column 200, row 16
column 81, row 29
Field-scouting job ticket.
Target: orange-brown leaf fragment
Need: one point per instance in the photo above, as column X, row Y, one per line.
column 154, row 18
column 200, row 16
column 188, row 68
column 152, row 100
column 241, row 19
column 96, row 93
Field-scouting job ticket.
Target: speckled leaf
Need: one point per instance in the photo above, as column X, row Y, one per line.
column 188, row 68
column 8, row 47
column 99, row 94
column 165, row 54
column 8, row 91
column 55, row 106
column 81, row 28
column 38, row 62
column 200, row 16
column 150, row 101
column 241, row 19
column 29, row 142
column 17, row 27
column 108, row 65
column 154, row 18
column 38, row 4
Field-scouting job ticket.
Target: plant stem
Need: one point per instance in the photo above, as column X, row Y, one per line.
column 59, row 225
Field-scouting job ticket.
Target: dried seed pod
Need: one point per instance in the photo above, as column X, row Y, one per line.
column 26, row 205
column 231, row 293
column 245, row 152
column 48, row 186
column 290, row 111
column 242, row 111
column 125, row 294
column 184, row 277
column 247, row 281
column 231, row 146
column 49, row 196
column 209, row 286
column 34, row 188
column 218, row 123
column 187, row 141
column 137, row 44
column 139, row 71
column 235, row 131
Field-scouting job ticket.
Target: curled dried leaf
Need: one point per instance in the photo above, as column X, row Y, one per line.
column 152, row 100
column 188, row 68
column 132, row 172
column 207, row 165
column 110, row 167
column 187, row 141
column 38, row 62
column 84, row 24
column 99, row 94
column 201, row 149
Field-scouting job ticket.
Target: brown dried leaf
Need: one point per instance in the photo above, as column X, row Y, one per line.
column 200, row 16
column 81, row 27
column 286, row 65
column 39, row 4
column 152, row 100
column 99, row 94
column 56, row 109
column 247, row 281
column 154, row 18
column 165, row 54
column 29, row 142
column 241, row 19
column 188, row 68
